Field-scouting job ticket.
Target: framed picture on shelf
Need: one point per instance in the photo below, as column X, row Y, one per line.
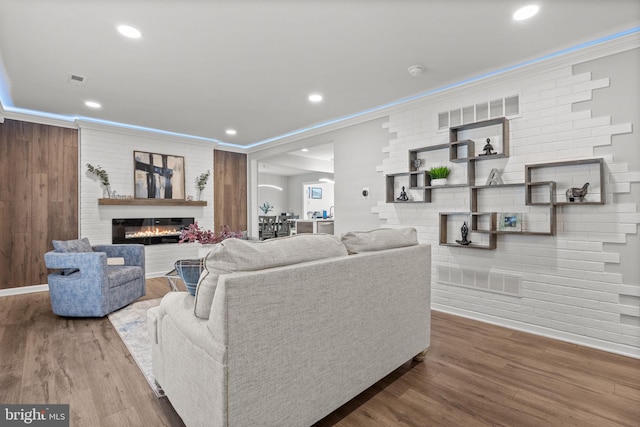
column 316, row 193
column 510, row 222
column 158, row 176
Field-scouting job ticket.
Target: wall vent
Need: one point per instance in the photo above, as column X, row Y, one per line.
column 77, row 80
column 499, row 283
column 502, row 107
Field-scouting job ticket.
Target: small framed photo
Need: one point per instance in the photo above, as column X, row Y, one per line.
column 510, row 222
column 316, row 193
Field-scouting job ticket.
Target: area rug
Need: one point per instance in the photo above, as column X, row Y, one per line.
column 131, row 324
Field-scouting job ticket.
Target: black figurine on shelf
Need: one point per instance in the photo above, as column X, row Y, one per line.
column 403, row 196
column 465, row 232
column 577, row 194
column 488, row 148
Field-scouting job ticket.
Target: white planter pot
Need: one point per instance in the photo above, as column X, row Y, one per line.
column 436, row 182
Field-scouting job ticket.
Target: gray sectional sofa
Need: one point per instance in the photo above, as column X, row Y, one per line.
column 283, row 332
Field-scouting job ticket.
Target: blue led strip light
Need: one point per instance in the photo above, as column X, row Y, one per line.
column 7, row 102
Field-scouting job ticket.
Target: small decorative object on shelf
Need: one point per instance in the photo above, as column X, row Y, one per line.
column 464, row 230
column 201, row 182
column 510, row 222
column 439, row 175
column 403, row 196
column 488, row 149
column 104, row 179
column 266, row 207
column 494, row 177
column 577, row 194
column 417, row 163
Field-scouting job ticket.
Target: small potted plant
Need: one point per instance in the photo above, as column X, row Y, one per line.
column 266, row 207
column 201, row 183
column 103, row 176
column 439, row 175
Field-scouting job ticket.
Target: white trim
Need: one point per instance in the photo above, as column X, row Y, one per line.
column 83, row 124
column 43, row 120
column 23, row 290
column 607, row 346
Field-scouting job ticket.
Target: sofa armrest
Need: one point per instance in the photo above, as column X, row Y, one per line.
column 132, row 254
column 177, row 308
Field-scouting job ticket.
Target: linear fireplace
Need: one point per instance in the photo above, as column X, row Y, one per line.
column 148, row 231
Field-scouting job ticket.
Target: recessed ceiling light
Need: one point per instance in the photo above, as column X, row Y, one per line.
column 315, row 97
column 526, row 12
column 129, row 31
column 93, row 104
column 231, row 132
column 304, row 150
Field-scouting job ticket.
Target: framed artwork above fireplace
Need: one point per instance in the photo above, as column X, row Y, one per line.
column 158, row 176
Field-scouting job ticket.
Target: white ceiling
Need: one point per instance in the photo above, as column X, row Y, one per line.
column 204, row 66
column 315, row 158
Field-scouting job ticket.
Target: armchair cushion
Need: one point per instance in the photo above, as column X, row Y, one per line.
column 66, row 246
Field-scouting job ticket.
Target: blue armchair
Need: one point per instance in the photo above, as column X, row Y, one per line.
column 95, row 289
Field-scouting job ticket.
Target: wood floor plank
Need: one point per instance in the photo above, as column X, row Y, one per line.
column 474, row 374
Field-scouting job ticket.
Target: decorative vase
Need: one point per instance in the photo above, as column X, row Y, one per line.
column 439, row 181
column 106, row 192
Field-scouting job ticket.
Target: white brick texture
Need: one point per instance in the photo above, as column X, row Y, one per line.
column 114, row 152
column 565, row 283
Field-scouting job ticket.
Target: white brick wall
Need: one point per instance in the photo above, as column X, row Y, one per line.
column 113, row 150
column 567, row 289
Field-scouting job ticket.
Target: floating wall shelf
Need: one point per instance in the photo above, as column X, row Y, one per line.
column 541, row 193
column 151, row 202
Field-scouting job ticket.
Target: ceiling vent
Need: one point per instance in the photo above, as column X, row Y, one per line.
column 77, row 80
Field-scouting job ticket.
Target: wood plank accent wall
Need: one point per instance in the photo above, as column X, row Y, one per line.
column 38, row 197
column 229, row 190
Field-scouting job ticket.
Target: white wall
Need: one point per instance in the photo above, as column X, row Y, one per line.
column 571, row 286
column 325, row 203
column 581, row 285
column 276, row 198
column 113, row 150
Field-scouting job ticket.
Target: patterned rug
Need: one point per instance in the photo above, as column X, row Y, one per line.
column 131, row 324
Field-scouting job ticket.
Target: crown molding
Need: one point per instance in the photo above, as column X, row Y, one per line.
column 142, row 133
column 33, row 118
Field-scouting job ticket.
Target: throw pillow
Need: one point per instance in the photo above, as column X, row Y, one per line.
column 378, row 240
column 81, row 245
column 67, row 246
column 246, row 255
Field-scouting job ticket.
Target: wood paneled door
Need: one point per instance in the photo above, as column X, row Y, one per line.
column 38, row 197
column 229, row 190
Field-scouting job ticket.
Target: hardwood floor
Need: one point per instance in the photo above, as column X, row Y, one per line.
column 475, row 374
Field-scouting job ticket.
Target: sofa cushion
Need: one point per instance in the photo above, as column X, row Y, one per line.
column 80, row 245
column 379, row 240
column 245, row 255
column 121, row 274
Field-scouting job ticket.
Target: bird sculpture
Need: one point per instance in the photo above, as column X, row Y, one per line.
column 577, row 194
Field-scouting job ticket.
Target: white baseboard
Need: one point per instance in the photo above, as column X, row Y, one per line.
column 610, row 347
column 23, row 290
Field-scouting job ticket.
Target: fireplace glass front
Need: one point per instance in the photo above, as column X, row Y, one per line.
column 148, row 231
